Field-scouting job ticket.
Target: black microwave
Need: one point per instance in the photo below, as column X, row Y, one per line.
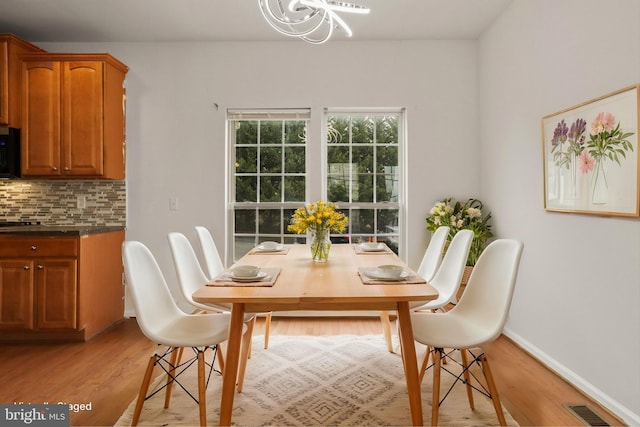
column 9, row 153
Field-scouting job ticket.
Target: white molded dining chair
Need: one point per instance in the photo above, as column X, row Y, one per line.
column 443, row 274
column 449, row 276
column 477, row 319
column 163, row 322
column 433, row 254
column 191, row 278
column 213, row 266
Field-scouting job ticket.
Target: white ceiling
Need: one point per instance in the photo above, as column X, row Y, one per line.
column 227, row 20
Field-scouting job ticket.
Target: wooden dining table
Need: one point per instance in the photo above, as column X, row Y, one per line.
column 302, row 284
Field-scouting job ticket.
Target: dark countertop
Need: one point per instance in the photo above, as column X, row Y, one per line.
column 58, row 230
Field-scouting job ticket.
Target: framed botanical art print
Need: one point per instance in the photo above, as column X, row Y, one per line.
column 591, row 156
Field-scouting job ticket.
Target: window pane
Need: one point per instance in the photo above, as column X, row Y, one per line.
column 362, row 130
column 269, row 221
column 338, row 130
column 295, row 132
column 387, row 130
column 271, row 132
column 286, row 220
column 246, row 159
column 246, row 189
column 294, row 188
column 245, row 221
column 387, row 221
column 246, row 132
column 386, row 156
column 361, row 221
column 294, row 159
column 387, row 188
column 337, row 154
column 338, row 188
column 363, row 190
column 271, row 159
column 271, row 189
column 363, row 157
column 242, row 245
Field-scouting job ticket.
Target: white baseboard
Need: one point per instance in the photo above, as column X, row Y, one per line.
column 576, row 380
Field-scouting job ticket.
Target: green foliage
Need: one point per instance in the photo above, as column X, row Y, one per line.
column 458, row 216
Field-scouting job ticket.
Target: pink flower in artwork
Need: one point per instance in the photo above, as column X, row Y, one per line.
column 586, row 162
column 604, row 122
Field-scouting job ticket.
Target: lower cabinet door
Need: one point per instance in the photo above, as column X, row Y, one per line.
column 16, row 294
column 56, row 293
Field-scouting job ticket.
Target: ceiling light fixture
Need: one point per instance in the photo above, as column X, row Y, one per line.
column 311, row 20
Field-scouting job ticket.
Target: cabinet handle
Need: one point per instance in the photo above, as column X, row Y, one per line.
column 40, row 267
column 26, row 267
column 66, row 168
column 33, row 248
column 53, row 168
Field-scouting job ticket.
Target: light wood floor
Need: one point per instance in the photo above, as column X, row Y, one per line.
column 106, row 373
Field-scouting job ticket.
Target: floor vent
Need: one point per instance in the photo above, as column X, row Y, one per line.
column 587, row 416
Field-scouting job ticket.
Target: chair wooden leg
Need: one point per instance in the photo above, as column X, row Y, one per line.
column 435, row 399
column 144, row 387
column 467, row 376
column 202, row 392
column 425, row 363
column 267, row 328
column 386, row 329
column 486, row 370
column 220, row 357
column 245, row 349
column 176, row 357
column 253, row 324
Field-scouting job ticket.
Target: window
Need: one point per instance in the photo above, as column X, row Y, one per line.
column 269, row 178
column 363, row 172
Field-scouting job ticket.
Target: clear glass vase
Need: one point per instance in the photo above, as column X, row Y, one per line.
column 600, row 188
column 573, row 175
column 320, row 245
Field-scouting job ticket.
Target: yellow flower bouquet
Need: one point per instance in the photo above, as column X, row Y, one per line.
column 319, row 219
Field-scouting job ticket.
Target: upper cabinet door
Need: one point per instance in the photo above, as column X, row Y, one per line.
column 41, row 118
column 10, row 47
column 82, row 118
column 4, row 84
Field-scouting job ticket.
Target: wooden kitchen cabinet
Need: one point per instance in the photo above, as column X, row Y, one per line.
column 73, row 108
column 10, row 77
column 59, row 288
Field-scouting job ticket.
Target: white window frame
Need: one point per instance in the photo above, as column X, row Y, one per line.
column 259, row 115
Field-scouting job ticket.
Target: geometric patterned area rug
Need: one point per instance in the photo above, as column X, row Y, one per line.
column 349, row 380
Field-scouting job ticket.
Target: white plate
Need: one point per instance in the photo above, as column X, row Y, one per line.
column 261, row 275
column 379, row 247
column 374, row 274
column 278, row 248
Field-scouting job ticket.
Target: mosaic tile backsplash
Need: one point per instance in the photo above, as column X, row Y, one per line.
column 65, row 202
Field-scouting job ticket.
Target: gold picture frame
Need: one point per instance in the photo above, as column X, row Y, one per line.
column 591, row 156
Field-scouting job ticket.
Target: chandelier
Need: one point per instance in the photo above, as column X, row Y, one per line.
column 311, row 20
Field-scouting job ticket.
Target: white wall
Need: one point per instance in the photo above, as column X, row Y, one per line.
column 577, row 301
column 176, row 137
